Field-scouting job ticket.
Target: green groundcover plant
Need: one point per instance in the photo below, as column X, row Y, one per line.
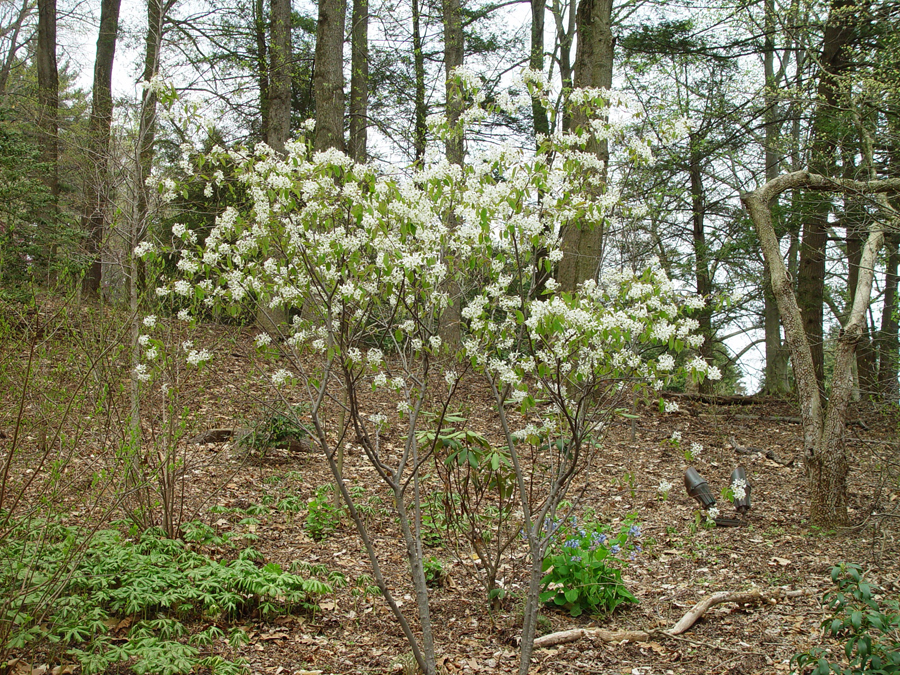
column 865, row 619
column 583, row 570
column 149, row 584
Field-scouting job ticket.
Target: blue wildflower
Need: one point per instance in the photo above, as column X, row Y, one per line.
column 571, row 543
column 615, row 549
column 634, row 531
column 576, row 558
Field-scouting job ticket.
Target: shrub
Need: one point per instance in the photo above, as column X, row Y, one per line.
column 584, row 570
column 866, row 621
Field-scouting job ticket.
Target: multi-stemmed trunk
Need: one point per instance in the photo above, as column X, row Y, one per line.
column 823, row 427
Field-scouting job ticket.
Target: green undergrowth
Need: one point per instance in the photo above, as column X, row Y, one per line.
column 145, row 604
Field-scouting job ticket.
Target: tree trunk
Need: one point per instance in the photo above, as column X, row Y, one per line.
column 777, row 382
column 811, row 279
column 701, row 256
column 419, row 68
column 455, row 149
column 48, row 93
column 156, row 12
column 565, row 34
column 582, row 246
column 278, row 127
column 262, row 65
column 14, row 45
column 888, row 343
column 453, row 58
column 359, row 80
column 540, row 121
column 328, row 79
column 866, row 366
column 98, row 188
column 824, row 453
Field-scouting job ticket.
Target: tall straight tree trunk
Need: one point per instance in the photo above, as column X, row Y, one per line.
column 24, row 13
column 811, row 279
column 48, row 93
column 455, row 150
column 262, row 64
column 453, row 58
column 278, row 128
column 98, row 188
column 419, row 69
column 359, row 80
column 539, row 119
column 888, row 342
column 777, row 353
column 328, row 79
column 582, row 246
column 701, row 255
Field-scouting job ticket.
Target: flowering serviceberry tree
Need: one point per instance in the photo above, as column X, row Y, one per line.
column 367, row 263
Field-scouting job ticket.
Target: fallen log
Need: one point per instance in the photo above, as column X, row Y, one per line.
column 686, row 621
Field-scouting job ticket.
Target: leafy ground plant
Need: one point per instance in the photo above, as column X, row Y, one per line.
column 865, row 620
column 157, row 583
column 584, row 567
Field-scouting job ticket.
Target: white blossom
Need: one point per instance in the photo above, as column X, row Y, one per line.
column 281, row 376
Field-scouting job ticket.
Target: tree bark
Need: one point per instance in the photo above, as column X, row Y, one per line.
column 777, row 382
column 564, row 37
column 540, row 121
column 359, row 80
column 811, row 279
column 582, row 245
column 48, row 93
column 156, row 12
column 278, row 128
column 701, row 256
column 262, row 65
column 453, row 58
column 455, row 150
column 419, row 69
column 98, row 188
column 824, row 452
column 328, row 79
column 888, row 344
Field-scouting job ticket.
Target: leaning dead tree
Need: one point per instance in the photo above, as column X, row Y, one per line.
column 823, row 421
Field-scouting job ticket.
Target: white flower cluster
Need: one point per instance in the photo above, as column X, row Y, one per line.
column 359, row 249
column 739, row 488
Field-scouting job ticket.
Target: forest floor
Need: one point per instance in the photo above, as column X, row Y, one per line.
column 354, row 632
